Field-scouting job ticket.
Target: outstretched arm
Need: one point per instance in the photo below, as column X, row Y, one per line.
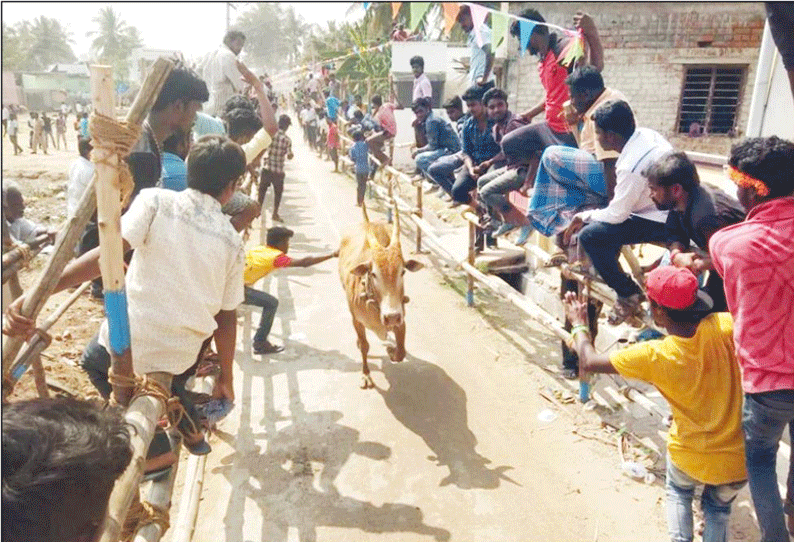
column 590, row 361
column 309, row 261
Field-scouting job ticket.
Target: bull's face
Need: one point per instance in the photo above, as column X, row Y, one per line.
column 385, row 271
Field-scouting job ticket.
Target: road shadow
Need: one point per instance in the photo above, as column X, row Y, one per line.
column 293, row 484
column 423, row 397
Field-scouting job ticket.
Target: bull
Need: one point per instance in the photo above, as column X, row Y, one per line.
column 371, row 268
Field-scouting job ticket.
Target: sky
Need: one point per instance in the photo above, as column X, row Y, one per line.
column 204, row 23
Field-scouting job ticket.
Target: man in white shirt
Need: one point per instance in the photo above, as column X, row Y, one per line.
column 221, row 72
column 480, row 56
column 631, row 216
column 80, row 174
column 422, row 86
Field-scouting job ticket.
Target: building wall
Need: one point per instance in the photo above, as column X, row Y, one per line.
column 647, row 48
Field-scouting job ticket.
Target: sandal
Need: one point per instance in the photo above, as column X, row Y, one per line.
column 624, row 308
column 557, row 259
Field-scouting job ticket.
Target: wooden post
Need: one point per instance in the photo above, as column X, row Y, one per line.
column 472, row 250
column 584, row 378
column 142, row 415
column 111, row 244
column 419, row 214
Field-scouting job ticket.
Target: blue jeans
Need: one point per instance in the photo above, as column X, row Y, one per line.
column 765, row 417
column 269, row 304
column 425, row 159
column 442, row 171
column 603, row 241
column 716, row 503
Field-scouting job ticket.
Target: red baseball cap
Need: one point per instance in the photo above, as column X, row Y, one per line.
column 677, row 288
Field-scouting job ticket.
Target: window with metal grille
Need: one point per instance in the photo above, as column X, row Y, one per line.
column 711, row 97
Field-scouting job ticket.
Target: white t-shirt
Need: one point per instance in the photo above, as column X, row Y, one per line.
column 187, row 266
column 632, row 194
column 422, row 87
column 80, row 173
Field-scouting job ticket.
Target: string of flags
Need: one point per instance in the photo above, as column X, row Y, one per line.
column 356, row 51
column 499, row 25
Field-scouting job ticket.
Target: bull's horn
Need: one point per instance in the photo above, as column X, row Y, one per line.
column 395, row 231
column 364, row 210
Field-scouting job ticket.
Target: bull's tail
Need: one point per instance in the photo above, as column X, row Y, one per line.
column 364, row 210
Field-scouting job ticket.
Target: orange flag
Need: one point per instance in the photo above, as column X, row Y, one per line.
column 395, row 9
column 450, row 14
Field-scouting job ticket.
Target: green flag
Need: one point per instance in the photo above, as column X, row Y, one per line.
column 418, row 10
column 498, row 27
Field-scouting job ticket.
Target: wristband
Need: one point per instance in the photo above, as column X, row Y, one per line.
column 577, row 329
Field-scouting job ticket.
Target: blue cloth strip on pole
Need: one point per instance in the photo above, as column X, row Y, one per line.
column 118, row 321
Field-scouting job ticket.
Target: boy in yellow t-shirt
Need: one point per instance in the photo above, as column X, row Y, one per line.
column 695, row 369
column 261, row 261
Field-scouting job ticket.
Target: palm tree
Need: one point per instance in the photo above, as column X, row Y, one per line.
column 114, row 40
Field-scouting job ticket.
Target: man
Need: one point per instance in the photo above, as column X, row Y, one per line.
column 780, row 16
column 20, row 228
column 261, row 261
column 422, row 87
column 174, row 169
column 179, row 293
column 61, row 459
column 493, row 187
column 631, row 216
column 221, row 72
column 480, row 55
column 441, row 137
column 60, row 131
column 571, row 179
column 478, row 148
column 13, row 131
column 383, row 114
column 357, row 105
column 524, row 146
column 756, row 260
column 695, row 369
column 331, row 104
column 696, row 212
column 273, row 167
column 80, row 174
column 6, row 114
column 39, row 137
column 445, row 166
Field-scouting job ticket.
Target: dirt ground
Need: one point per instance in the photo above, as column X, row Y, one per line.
column 469, row 439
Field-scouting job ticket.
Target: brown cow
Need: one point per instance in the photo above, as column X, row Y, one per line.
column 371, row 267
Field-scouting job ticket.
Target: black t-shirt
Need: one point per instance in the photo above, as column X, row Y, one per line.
column 145, row 162
column 708, row 210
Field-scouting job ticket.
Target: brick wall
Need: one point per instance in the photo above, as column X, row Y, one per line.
column 647, row 47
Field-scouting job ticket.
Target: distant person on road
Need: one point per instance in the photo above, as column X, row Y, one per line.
column 359, row 153
column 60, row 131
column 333, row 143
column 13, row 132
column 261, row 261
column 695, row 369
column 273, row 168
column 47, row 128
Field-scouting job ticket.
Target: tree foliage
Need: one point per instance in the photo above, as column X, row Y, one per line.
column 274, row 35
column 35, row 45
column 114, row 40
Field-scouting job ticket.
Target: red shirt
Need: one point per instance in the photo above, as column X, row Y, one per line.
column 385, row 117
column 333, row 136
column 756, row 261
column 552, row 77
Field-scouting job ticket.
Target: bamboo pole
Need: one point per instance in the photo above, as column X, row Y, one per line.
column 471, row 256
column 160, row 497
column 142, row 414
column 39, row 342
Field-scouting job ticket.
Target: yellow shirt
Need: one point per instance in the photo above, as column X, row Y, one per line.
column 261, row 260
column 700, row 378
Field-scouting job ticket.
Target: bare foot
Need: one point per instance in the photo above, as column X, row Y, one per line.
column 367, row 382
column 277, row 218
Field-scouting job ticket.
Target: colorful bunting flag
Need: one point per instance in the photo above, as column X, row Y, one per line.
column 573, row 51
column 418, row 10
column 395, row 9
column 525, row 27
column 450, row 16
column 499, row 28
column 366, row 5
column 478, row 15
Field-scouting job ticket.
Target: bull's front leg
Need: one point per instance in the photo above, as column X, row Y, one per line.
column 397, row 352
column 363, row 345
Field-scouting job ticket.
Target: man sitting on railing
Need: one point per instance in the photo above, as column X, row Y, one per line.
column 445, row 166
column 696, row 212
column 695, row 369
column 383, row 114
column 493, row 187
column 61, row 458
column 441, row 137
column 631, row 217
column 478, row 148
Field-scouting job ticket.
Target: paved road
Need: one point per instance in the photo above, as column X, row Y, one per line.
column 449, row 446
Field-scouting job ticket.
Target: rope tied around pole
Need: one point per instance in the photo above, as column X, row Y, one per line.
column 117, row 138
column 142, row 513
column 142, row 386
